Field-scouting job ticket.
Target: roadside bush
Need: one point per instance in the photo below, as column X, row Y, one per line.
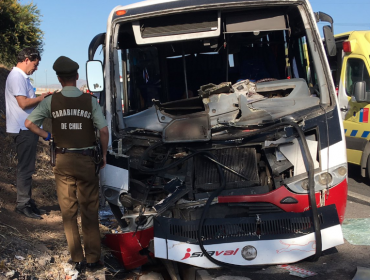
column 19, row 28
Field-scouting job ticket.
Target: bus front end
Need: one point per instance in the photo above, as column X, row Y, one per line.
column 226, row 146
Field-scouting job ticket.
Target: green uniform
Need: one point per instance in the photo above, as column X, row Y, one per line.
column 77, row 184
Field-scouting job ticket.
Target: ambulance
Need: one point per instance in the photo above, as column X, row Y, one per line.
column 350, row 69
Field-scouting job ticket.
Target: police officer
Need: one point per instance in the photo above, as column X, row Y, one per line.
column 74, row 116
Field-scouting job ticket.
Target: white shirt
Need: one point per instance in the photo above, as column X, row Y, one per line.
column 17, row 84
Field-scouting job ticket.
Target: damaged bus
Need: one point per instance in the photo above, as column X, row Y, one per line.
column 226, row 144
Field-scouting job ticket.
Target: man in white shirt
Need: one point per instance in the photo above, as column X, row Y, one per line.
column 20, row 99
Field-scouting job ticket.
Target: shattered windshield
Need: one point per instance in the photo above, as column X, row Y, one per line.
column 240, row 78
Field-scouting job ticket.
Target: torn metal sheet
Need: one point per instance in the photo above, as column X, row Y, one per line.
column 171, row 199
column 357, row 231
column 245, row 87
column 281, row 140
column 293, row 153
column 127, row 247
column 296, row 271
column 363, row 273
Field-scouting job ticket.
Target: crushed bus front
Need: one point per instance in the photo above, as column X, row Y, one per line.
column 228, row 149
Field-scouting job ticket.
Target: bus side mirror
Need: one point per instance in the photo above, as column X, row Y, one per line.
column 329, row 41
column 360, row 94
column 328, row 32
column 94, row 75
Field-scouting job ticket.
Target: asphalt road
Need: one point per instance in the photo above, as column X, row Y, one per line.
column 338, row 263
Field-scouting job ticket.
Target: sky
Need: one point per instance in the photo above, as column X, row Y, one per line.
column 70, row 25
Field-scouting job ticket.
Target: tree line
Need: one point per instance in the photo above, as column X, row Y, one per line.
column 19, row 28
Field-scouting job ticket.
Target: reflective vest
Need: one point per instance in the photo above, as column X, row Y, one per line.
column 72, row 123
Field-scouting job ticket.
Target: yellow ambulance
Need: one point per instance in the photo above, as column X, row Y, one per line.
column 350, row 69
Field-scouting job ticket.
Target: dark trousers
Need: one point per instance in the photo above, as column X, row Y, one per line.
column 77, row 185
column 26, row 146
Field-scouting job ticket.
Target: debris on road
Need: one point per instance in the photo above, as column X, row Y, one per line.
column 20, row 258
column 296, row 271
column 10, row 273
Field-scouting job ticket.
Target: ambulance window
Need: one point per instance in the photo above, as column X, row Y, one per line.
column 356, row 71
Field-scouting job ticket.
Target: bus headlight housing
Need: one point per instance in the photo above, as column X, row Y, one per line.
column 324, row 178
column 342, row 171
column 304, row 184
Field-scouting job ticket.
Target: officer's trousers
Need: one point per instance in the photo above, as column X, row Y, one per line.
column 77, row 185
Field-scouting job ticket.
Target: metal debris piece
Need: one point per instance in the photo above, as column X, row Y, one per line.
column 209, row 89
column 296, row 271
column 171, row 199
column 10, row 273
column 248, row 88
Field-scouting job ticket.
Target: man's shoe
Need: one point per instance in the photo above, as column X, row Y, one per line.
column 37, row 210
column 94, row 266
column 79, row 266
column 27, row 211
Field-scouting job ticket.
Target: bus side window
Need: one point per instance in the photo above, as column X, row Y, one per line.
column 356, row 71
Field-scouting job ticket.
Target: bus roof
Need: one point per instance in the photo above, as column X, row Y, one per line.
column 149, row 6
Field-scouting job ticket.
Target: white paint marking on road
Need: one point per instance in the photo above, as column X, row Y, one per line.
column 359, row 196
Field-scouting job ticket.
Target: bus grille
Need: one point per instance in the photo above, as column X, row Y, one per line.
column 263, row 226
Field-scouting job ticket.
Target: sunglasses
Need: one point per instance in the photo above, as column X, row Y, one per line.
column 32, row 55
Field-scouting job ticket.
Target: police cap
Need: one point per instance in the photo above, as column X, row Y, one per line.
column 65, row 66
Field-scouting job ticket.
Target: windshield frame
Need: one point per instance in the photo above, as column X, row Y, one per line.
column 311, row 33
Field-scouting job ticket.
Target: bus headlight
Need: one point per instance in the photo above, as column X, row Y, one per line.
column 342, row 171
column 304, row 184
column 324, row 178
